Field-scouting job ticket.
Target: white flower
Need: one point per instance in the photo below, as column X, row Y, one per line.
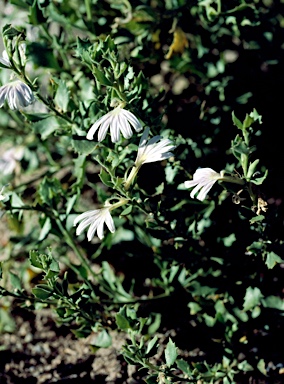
column 8, row 161
column 5, row 59
column 95, row 219
column 156, row 149
column 2, row 197
column 203, row 180
column 22, row 51
column 118, row 119
column 17, row 94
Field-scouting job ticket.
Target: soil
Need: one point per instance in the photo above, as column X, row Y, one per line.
column 41, row 352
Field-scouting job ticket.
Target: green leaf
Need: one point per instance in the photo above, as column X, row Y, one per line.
column 45, row 229
column 79, row 171
column 272, row 259
column 236, row 121
column 155, row 325
column 126, row 211
column 10, row 32
column 47, row 126
column 260, row 180
column 49, row 189
column 105, row 178
column 151, row 345
column 122, row 322
column 252, row 168
column 15, row 281
column 275, row 302
column 257, row 218
column 103, row 340
column 184, row 366
column 170, row 353
column 194, row 308
column 53, row 269
column 70, row 203
column 34, row 117
column 62, row 96
column 261, row 367
column 247, row 122
column 35, row 260
column 41, row 293
column 256, row 116
column 252, row 298
column 82, row 146
column 240, row 7
column 36, row 16
column 100, row 76
column 16, row 201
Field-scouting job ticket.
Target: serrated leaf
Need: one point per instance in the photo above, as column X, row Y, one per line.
column 100, row 76
column 260, row 180
column 170, row 353
column 275, row 302
column 103, row 340
column 34, row 259
column 184, row 366
column 252, row 298
column 62, row 96
column 49, row 189
column 10, row 32
column 272, row 259
column 47, row 126
column 256, row 116
column 15, row 281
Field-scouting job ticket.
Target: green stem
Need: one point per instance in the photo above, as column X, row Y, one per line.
column 88, row 10
column 120, row 94
column 69, row 240
column 131, row 177
column 231, row 179
column 137, row 300
column 50, row 106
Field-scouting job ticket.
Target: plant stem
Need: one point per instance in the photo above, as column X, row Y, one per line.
column 69, row 240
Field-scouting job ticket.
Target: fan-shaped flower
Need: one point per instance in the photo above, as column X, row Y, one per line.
column 2, row 196
column 203, row 181
column 118, row 120
column 5, row 59
column 8, row 161
column 17, row 94
column 155, row 149
column 95, row 220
